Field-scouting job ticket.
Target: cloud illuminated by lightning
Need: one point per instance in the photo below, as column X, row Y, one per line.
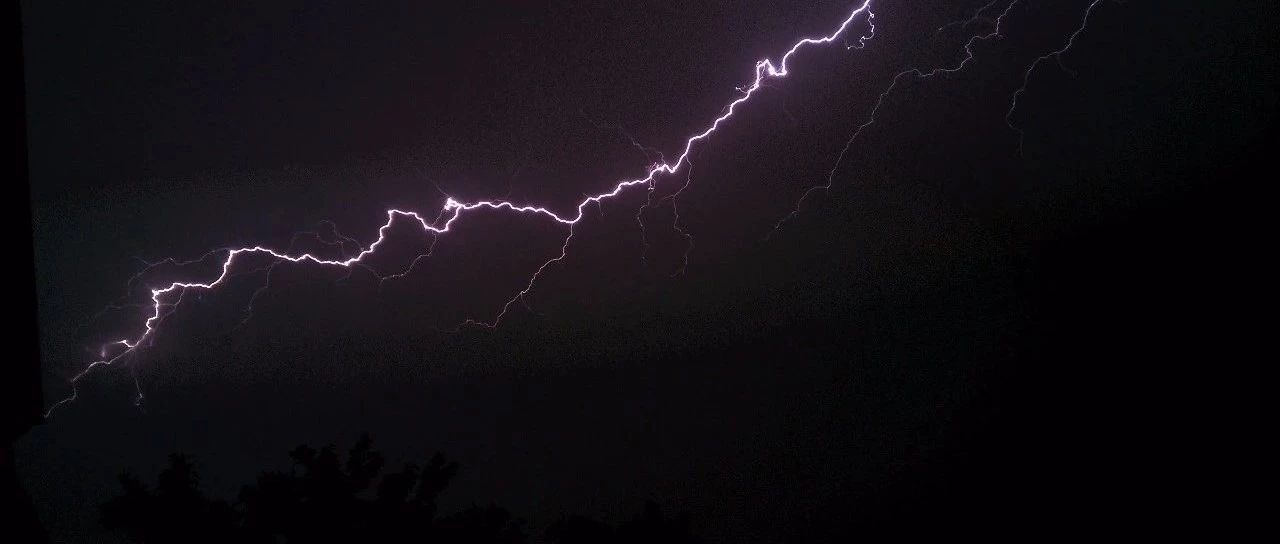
column 164, row 300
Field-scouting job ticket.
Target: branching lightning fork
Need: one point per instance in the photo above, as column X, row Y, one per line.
column 163, row 300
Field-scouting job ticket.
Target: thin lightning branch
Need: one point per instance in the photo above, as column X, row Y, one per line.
column 764, row 68
column 920, row 74
column 148, row 268
column 916, row 73
column 675, row 223
column 977, row 16
column 648, row 151
column 414, row 264
column 644, row 233
column 1026, row 76
column 341, row 241
column 266, row 283
column 673, row 198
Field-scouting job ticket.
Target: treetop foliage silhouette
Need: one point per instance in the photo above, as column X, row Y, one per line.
column 323, row 499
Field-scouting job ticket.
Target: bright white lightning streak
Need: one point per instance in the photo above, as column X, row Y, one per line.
column 454, row 209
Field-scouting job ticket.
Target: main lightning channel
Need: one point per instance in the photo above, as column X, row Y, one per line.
column 453, row 210
column 112, row 352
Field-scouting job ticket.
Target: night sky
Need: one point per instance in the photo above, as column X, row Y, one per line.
column 955, row 337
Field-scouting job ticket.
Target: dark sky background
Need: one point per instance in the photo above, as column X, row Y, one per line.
column 954, row 336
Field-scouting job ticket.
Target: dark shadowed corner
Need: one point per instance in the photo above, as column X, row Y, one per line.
column 20, row 397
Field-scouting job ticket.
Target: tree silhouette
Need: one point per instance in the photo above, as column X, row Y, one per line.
column 324, row 499
column 175, row 511
column 321, row 499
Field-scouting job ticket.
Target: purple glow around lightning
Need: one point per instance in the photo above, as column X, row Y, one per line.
column 453, row 210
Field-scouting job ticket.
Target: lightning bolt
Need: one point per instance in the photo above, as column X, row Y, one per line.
column 929, row 73
column 165, row 300
column 1056, row 55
